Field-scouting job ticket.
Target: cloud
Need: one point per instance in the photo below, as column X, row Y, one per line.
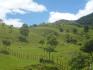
column 55, row 16
column 14, row 22
column 18, row 6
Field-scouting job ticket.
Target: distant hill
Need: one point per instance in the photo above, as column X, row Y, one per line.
column 65, row 21
column 1, row 21
column 88, row 19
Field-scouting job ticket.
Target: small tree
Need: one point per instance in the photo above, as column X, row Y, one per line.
column 88, row 48
column 34, row 25
column 61, row 29
column 23, row 38
column 11, row 28
column 74, row 30
column 24, row 32
column 86, row 28
column 70, row 39
column 52, row 43
column 6, row 42
column 42, row 42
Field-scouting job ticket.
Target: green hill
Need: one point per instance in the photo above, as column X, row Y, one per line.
column 88, row 19
column 23, row 55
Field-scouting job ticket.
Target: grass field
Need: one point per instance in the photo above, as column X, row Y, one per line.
column 25, row 54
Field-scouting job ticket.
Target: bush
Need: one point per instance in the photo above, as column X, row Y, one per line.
column 6, row 42
column 51, row 68
column 74, row 30
column 88, row 47
column 70, row 39
column 23, row 39
column 86, row 28
column 46, row 61
column 61, row 29
column 4, row 52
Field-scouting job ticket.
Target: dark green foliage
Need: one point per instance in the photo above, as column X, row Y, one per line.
column 4, row 52
column 50, row 32
column 67, row 30
column 24, row 33
column 61, row 29
column 87, row 36
column 3, row 24
column 42, row 42
column 80, row 62
column 70, row 39
column 51, row 44
column 11, row 28
column 51, row 40
column 79, row 44
column 51, row 68
column 86, row 28
column 46, row 61
column 6, row 42
column 24, row 30
column 86, row 19
column 39, row 67
column 34, row 25
column 88, row 47
column 23, row 38
column 74, row 30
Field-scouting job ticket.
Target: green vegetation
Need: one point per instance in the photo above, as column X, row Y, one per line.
column 59, row 46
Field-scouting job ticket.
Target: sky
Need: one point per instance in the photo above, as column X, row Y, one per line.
column 18, row 12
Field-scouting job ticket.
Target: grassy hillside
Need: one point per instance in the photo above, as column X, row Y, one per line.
column 23, row 55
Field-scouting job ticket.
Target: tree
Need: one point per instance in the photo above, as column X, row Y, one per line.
column 6, row 42
column 61, row 29
column 51, row 44
column 70, row 39
column 42, row 42
column 11, row 28
column 88, row 48
column 24, row 32
column 3, row 27
column 81, row 61
column 86, row 28
column 34, row 25
column 74, row 30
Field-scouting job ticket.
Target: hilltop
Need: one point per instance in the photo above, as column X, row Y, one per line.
column 88, row 19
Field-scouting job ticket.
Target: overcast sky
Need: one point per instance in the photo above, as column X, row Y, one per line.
column 17, row 12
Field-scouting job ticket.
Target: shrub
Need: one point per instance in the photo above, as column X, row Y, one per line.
column 46, row 61
column 24, row 33
column 4, row 52
column 23, row 38
column 61, row 29
column 6, row 42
